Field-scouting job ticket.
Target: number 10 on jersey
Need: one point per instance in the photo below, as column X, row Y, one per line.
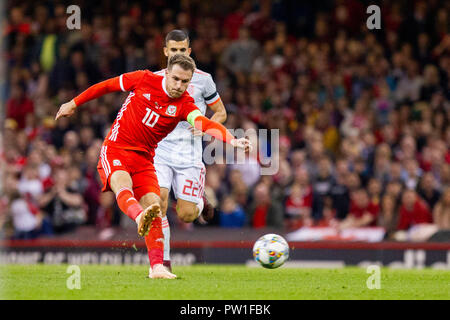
column 151, row 118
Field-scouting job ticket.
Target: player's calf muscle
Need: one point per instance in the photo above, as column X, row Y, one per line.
column 149, row 199
column 164, row 195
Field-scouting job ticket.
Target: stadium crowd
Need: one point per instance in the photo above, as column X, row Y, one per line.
column 364, row 115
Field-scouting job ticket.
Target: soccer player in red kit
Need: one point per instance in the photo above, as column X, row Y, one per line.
column 152, row 110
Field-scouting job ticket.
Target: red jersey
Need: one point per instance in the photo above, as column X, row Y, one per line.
column 148, row 114
column 420, row 213
column 295, row 206
column 358, row 212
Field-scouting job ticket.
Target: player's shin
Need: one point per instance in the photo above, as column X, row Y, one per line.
column 166, row 232
column 128, row 203
column 155, row 243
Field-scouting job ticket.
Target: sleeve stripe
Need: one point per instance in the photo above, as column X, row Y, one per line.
column 192, row 116
column 211, row 103
column 211, row 96
column 121, row 82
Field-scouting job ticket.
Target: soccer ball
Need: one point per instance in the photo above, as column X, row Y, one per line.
column 271, row 251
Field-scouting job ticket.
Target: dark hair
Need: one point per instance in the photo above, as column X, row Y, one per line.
column 360, row 190
column 176, row 35
column 185, row 62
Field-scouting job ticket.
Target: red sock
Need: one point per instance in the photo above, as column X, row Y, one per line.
column 155, row 243
column 128, row 203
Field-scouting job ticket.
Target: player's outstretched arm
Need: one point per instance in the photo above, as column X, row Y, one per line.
column 220, row 115
column 66, row 110
column 217, row 130
column 97, row 90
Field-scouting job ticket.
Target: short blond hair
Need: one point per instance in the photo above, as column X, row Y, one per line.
column 185, row 62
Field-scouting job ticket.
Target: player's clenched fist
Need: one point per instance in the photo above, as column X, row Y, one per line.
column 66, row 109
column 242, row 143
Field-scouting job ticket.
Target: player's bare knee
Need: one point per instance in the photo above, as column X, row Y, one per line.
column 186, row 214
column 120, row 179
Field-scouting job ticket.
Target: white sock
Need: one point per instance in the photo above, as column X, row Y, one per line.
column 166, row 232
column 200, row 205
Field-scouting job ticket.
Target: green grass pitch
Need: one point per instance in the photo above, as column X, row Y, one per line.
column 217, row 282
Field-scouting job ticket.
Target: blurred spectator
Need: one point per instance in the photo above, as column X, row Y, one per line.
column 36, row 160
column 409, row 84
column 260, row 23
column 92, row 184
column 339, row 193
column 428, row 191
column 212, row 185
column 249, row 167
column 322, row 185
column 19, row 105
column 411, row 173
column 363, row 212
column 414, row 217
column 298, row 207
column 395, row 172
column 26, row 219
column 30, row 184
column 264, row 211
column 235, row 19
column 374, row 189
column 395, row 190
column 231, row 215
column 238, row 186
column 239, row 56
column 105, row 215
column 441, row 212
column 353, row 182
column 329, row 216
column 63, row 204
column 413, row 211
column 430, row 83
column 388, row 216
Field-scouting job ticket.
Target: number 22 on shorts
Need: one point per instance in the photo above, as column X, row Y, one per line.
column 188, row 187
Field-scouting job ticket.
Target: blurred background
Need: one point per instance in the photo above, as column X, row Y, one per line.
column 364, row 115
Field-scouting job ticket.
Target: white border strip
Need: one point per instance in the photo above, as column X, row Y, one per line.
column 121, row 83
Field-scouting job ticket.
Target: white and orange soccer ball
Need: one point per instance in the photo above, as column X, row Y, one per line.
column 271, row 251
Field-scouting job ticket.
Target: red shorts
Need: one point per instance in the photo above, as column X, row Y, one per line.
column 136, row 163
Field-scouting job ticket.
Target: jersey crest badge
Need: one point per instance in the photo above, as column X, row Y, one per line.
column 116, row 163
column 171, row 110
